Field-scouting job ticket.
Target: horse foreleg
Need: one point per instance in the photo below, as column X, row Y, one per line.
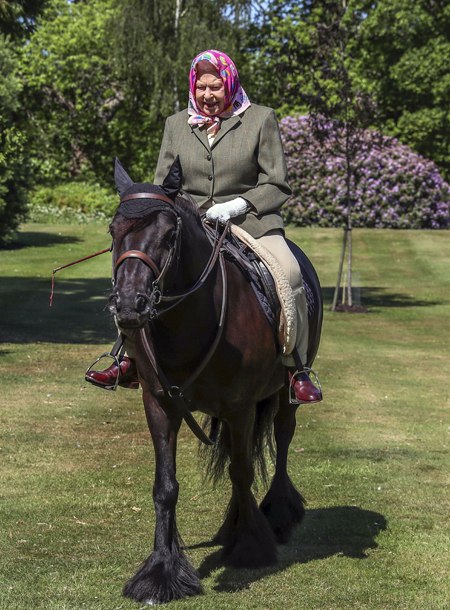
column 247, row 538
column 167, row 574
column 283, row 504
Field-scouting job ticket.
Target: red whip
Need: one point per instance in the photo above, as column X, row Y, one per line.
column 69, row 265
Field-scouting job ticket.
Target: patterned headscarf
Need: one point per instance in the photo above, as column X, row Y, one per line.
column 236, row 100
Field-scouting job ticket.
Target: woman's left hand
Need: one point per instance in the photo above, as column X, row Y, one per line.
column 222, row 212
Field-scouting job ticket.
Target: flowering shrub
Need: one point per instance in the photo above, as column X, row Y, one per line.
column 72, row 203
column 395, row 187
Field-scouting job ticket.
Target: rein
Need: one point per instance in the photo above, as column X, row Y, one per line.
column 157, row 297
column 176, row 393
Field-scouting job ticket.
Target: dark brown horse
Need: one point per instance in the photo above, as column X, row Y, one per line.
column 240, row 383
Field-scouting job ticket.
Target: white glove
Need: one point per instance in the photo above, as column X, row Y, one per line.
column 224, row 211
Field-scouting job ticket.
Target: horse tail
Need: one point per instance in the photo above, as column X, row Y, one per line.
column 217, row 457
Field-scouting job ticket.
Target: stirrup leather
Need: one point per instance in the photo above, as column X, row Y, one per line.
column 292, row 397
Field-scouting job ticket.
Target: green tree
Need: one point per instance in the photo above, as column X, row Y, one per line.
column 101, row 76
column 18, row 17
column 71, row 91
column 400, row 52
column 14, row 174
column 278, row 48
column 156, row 42
column 404, row 54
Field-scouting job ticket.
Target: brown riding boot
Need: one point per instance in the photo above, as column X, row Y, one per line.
column 107, row 379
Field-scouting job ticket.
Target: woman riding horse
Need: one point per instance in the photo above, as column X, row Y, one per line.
column 234, row 168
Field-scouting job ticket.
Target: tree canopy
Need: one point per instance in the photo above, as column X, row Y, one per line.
column 14, row 167
column 84, row 81
column 399, row 50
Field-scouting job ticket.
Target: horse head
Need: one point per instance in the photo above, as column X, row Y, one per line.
column 145, row 232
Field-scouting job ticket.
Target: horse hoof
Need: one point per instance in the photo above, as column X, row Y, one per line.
column 283, row 507
column 253, row 548
column 163, row 579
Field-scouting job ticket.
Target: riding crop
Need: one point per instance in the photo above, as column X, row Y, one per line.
column 74, row 263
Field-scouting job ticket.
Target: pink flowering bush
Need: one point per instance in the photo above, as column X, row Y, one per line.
column 395, row 187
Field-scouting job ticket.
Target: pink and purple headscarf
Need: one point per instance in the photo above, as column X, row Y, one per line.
column 236, row 100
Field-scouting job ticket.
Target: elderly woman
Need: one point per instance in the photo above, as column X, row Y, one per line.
column 234, row 168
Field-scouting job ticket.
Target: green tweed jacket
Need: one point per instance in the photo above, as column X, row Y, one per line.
column 246, row 159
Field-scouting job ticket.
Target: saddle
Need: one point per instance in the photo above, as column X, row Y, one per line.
column 273, row 291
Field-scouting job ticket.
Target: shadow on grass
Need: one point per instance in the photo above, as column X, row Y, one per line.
column 36, row 239
column 78, row 313
column 346, row 531
column 380, row 297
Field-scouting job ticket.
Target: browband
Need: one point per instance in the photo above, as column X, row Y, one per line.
column 147, row 196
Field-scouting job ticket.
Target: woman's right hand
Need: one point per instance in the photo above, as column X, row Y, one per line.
column 222, row 212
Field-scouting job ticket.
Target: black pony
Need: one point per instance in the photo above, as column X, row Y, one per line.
column 202, row 343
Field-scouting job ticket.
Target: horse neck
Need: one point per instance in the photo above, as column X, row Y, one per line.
column 193, row 255
column 184, row 333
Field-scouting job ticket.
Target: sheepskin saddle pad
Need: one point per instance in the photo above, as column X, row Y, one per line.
column 284, row 324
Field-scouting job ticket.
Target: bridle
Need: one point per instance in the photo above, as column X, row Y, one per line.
column 156, row 296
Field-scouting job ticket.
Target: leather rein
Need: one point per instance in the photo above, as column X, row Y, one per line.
column 176, row 392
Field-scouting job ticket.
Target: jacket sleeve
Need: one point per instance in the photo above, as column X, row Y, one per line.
column 166, row 154
column 272, row 189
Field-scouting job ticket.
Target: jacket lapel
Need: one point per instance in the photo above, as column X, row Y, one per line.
column 201, row 135
column 225, row 126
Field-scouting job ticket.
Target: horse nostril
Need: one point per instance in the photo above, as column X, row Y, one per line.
column 141, row 303
column 113, row 302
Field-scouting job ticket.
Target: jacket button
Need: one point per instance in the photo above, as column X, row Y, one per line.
column 210, row 177
column 208, row 157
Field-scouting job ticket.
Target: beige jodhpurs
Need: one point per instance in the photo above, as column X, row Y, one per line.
column 274, row 242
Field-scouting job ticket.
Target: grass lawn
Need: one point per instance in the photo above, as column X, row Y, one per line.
column 372, row 460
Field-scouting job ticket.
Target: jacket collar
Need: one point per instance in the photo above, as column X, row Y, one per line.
column 225, row 126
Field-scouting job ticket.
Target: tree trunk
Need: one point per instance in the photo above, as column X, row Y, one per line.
column 341, row 264
column 349, row 273
column 349, row 212
column 176, row 101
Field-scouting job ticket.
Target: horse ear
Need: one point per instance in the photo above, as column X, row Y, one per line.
column 172, row 182
column 122, row 179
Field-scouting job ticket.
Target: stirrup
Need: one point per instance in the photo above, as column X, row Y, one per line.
column 292, row 397
column 116, row 360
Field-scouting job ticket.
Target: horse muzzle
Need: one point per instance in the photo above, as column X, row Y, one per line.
column 131, row 312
